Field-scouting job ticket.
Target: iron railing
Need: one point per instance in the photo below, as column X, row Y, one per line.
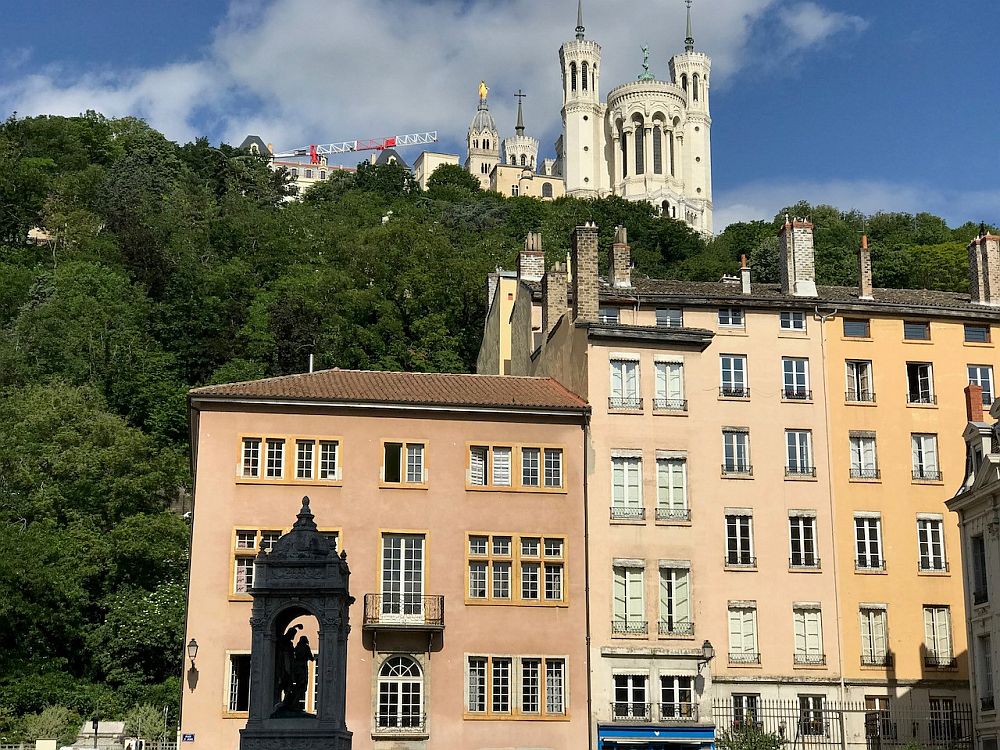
column 860, row 398
column 800, row 471
column 921, row 398
column 870, row 564
column 734, row 391
column 796, row 394
column 629, row 627
column 627, row 513
column 859, row 472
column 673, row 514
column 629, row 712
column 670, row 404
column 812, row 660
column 404, row 611
column 933, row 566
column 676, row 628
column 400, row 724
column 745, row 657
column 624, row 402
column 877, row 660
column 623, row 712
column 930, row 475
column 804, row 562
column 940, row 661
column 740, row 561
column 737, row 469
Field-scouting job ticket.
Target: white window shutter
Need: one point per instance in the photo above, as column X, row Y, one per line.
column 814, row 632
column 676, row 382
column 477, row 466
column 618, row 482
column 501, row 467
column 635, row 603
column 943, row 632
column 930, row 635
column 736, row 631
column 879, row 633
column 867, row 618
column 799, row 617
column 682, row 595
column 619, row 593
column 750, row 631
column 634, row 470
column 930, row 452
column 661, row 380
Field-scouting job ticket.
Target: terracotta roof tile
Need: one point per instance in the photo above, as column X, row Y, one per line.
column 409, row 388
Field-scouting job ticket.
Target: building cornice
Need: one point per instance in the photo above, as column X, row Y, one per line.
column 695, row 337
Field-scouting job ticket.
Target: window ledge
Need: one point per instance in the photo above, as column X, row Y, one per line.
column 934, row 573
column 978, row 344
column 740, row 568
column 917, row 405
column 938, row 482
column 628, row 521
column 291, row 482
column 871, row 571
column 673, row 523
column 801, row 478
column 804, row 569
column 732, row 331
column 737, row 475
column 513, row 603
column 734, row 398
column 860, row 403
column 403, row 486
column 865, row 480
column 789, row 334
column 506, row 488
column 240, row 598
column 856, row 338
column 671, row 412
column 924, row 342
column 810, row 667
column 619, row 410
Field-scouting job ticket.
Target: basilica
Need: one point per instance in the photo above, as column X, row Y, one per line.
column 648, row 139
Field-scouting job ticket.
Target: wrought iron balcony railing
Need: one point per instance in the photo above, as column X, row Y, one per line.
column 933, row 566
column 734, row 391
column 737, row 468
column 400, row 724
column 870, row 564
column 676, row 628
column 939, row 661
column 629, row 627
column 624, row 402
column 677, row 712
column 860, row 397
column 804, row 562
column 670, row 404
column 930, row 475
column 744, row 657
column 402, row 611
column 876, row 660
column 739, row 560
column 814, row 660
column 796, row 394
column 673, row 514
column 921, row 398
column 627, row 513
column 800, row 471
column 862, row 472
column 631, row 712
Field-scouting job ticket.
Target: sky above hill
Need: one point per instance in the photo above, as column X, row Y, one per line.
column 867, row 104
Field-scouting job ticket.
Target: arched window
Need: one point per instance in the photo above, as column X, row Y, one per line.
column 486, row 143
column 475, row 143
column 624, row 142
column 485, row 168
column 670, row 142
column 524, row 160
column 640, row 148
column 295, row 172
column 322, row 174
column 694, row 86
column 546, row 189
column 572, row 76
column 684, row 81
column 513, row 160
column 513, row 190
column 583, row 71
column 400, row 693
column 657, row 150
column 666, row 208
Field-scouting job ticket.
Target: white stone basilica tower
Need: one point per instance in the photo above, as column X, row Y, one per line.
column 483, row 142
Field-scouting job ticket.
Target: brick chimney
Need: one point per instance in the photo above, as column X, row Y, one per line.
column 974, row 402
column 984, row 269
column 744, row 275
column 554, row 302
column 796, row 258
column 585, row 272
column 864, row 270
column 531, row 260
column 620, row 260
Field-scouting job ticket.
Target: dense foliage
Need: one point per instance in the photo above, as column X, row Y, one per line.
column 132, row 269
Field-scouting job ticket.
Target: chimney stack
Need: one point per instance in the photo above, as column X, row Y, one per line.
column 864, row 270
column 744, row 275
column 620, row 260
column 492, row 281
column 585, row 303
column 984, row 269
column 554, row 302
column 974, row 402
column 797, row 258
column 531, row 260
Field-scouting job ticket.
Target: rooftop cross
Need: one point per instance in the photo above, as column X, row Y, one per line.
column 519, row 128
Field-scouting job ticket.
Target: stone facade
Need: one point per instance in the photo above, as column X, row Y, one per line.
column 984, row 269
column 585, row 272
column 554, row 291
column 620, row 260
column 796, row 258
column 531, row 260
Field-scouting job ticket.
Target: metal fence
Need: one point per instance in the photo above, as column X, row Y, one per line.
column 817, row 724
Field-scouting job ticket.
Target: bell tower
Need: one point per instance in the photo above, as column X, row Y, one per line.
column 581, row 147
column 483, row 141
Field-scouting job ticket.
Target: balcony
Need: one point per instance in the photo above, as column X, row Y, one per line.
column 629, row 627
column 876, row 660
column 861, row 472
column 670, row 404
column 933, row 566
column 629, row 403
column 870, row 564
column 670, row 712
column 737, row 469
column 859, row 397
column 403, row 612
column 642, row 713
column 627, row 513
column 921, row 398
column 409, row 726
column 804, row 562
column 631, row 713
column 676, row 629
column 734, row 391
column 922, row 474
column 740, row 561
column 745, row 657
column 940, row 661
column 673, row 514
column 800, row 471
column 796, row 394
column 809, row 660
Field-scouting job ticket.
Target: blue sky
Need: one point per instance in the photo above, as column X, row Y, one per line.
column 872, row 105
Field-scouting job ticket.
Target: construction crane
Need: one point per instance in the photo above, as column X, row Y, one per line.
column 370, row 144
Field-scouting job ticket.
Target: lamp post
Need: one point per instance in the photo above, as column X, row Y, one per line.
column 707, row 654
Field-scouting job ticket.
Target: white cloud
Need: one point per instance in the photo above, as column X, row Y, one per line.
column 809, row 25
column 379, row 67
column 762, row 200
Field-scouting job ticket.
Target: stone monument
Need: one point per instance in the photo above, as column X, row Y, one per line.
column 302, row 576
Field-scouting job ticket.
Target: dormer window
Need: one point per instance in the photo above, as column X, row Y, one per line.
column 608, row 315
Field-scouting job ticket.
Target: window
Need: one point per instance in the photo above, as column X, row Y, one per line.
column 944, row 729
column 925, row 461
column 868, row 543
column 984, row 676
column 553, row 467
column 676, row 697
column 246, row 544
column 982, row 375
column 626, row 488
column 239, row 683
column 251, row 457
column 675, row 602
column 402, row 586
column 916, row 331
column 808, row 623
column 811, row 715
column 739, row 540
column 733, row 376
column 520, row 569
column 400, row 694
column 930, row 544
column 980, row 587
column 859, row 381
column 856, row 328
column 624, row 385
column 670, row 317
column 736, row 452
column 798, row 445
column 295, row 172
column 508, row 685
column 546, row 189
column 513, row 190
column 630, row 698
column 629, row 603
column 404, row 463
column 489, row 466
column 795, row 378
column 802, row 542
column 530, row 457
column 731, row 317
column 743, row 635
column 329, row 465
column 275, row 466
column 670, row 387
column 937, row 636
column 745, row 708
column 608, row 315
column 977, row 334
column 864, row 462
column 322, row 174
column 671, row 490
column 793, row 320
column 919, row 383
column 874, row 638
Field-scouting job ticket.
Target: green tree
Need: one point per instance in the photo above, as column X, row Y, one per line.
column 144, row 721
column 452, row 182
column 53, row 722
column 748, row 735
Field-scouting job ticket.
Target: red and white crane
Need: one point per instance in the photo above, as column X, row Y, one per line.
column 315, row 151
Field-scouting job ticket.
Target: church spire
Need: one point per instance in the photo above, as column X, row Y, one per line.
column 689, row 40
column 579, row 19
column 519, row 128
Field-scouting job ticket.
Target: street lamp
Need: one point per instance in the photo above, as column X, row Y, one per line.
column 192, row 649
column 707, row 654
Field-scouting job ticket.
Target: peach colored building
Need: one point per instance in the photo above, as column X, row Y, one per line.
column 459, row 501
column 734, row 494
